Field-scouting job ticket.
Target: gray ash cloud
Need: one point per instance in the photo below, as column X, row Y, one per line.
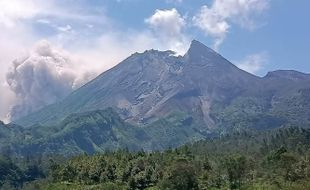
column 44, row 76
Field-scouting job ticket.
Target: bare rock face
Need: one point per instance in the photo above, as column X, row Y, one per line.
column 151, row 85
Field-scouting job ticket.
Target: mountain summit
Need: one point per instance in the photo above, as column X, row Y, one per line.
column 197, row 50
column 201, row 87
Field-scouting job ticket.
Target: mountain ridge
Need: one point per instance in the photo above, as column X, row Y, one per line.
column 155, row 100
column 150, row 85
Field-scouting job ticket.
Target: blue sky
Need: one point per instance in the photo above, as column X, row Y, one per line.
column 86, row 37
column 281, row 33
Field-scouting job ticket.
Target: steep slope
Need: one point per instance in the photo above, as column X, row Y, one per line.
column 84, row 132
column 155, row 100
column 147, row 86
column 281, row 99
column 9, row 135
column 201, row 85
column 292, row 100
column 99, row 131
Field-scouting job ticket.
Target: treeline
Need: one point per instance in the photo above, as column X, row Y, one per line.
column 15, row 173
column 278, row 159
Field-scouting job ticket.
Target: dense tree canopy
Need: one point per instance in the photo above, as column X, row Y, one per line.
column 278, row 159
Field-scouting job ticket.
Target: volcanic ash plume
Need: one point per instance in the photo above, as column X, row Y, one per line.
column 41, row 78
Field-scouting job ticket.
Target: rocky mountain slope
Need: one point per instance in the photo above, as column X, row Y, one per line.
column 156, row 100
column 201, row 84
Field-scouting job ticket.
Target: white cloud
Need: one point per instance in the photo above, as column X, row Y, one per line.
column 174, row 1
column 215, row 20
column 168, row 23
column 43, row 21
column 66, row 28
column 168, row 26
column 253, row 63
column 14, row 10
column 241, row 12
column 212, row 24
column 114, row 46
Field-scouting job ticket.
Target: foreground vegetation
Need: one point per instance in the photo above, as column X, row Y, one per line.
column 278, row 159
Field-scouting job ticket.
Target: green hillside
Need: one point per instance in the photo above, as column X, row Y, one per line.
column 102, row 130
column 249, row 159
column 98, row 131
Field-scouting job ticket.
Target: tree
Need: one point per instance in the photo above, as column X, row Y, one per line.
column 236, row 167
column 67, row 173
column 33, row 172
column 180, row 176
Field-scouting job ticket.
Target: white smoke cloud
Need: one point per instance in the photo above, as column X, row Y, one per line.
column 253, row 63
column 6, row 101
column 47, row 74
column 20, row 30
column 212, row 24
column 14, row 10
column 168, row 26
column 166, row 22
column 44, row 76
column 174, row 1
column 215, row 20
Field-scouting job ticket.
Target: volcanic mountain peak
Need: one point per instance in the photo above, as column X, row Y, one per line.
column 152, row 85
column 198, row 47
column 200, row 55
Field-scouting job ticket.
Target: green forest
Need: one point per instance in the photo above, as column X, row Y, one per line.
column 247, row 159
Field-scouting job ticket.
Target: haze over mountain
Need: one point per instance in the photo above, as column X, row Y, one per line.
column 117, row 94
column 155, row 100
column 150, row 85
